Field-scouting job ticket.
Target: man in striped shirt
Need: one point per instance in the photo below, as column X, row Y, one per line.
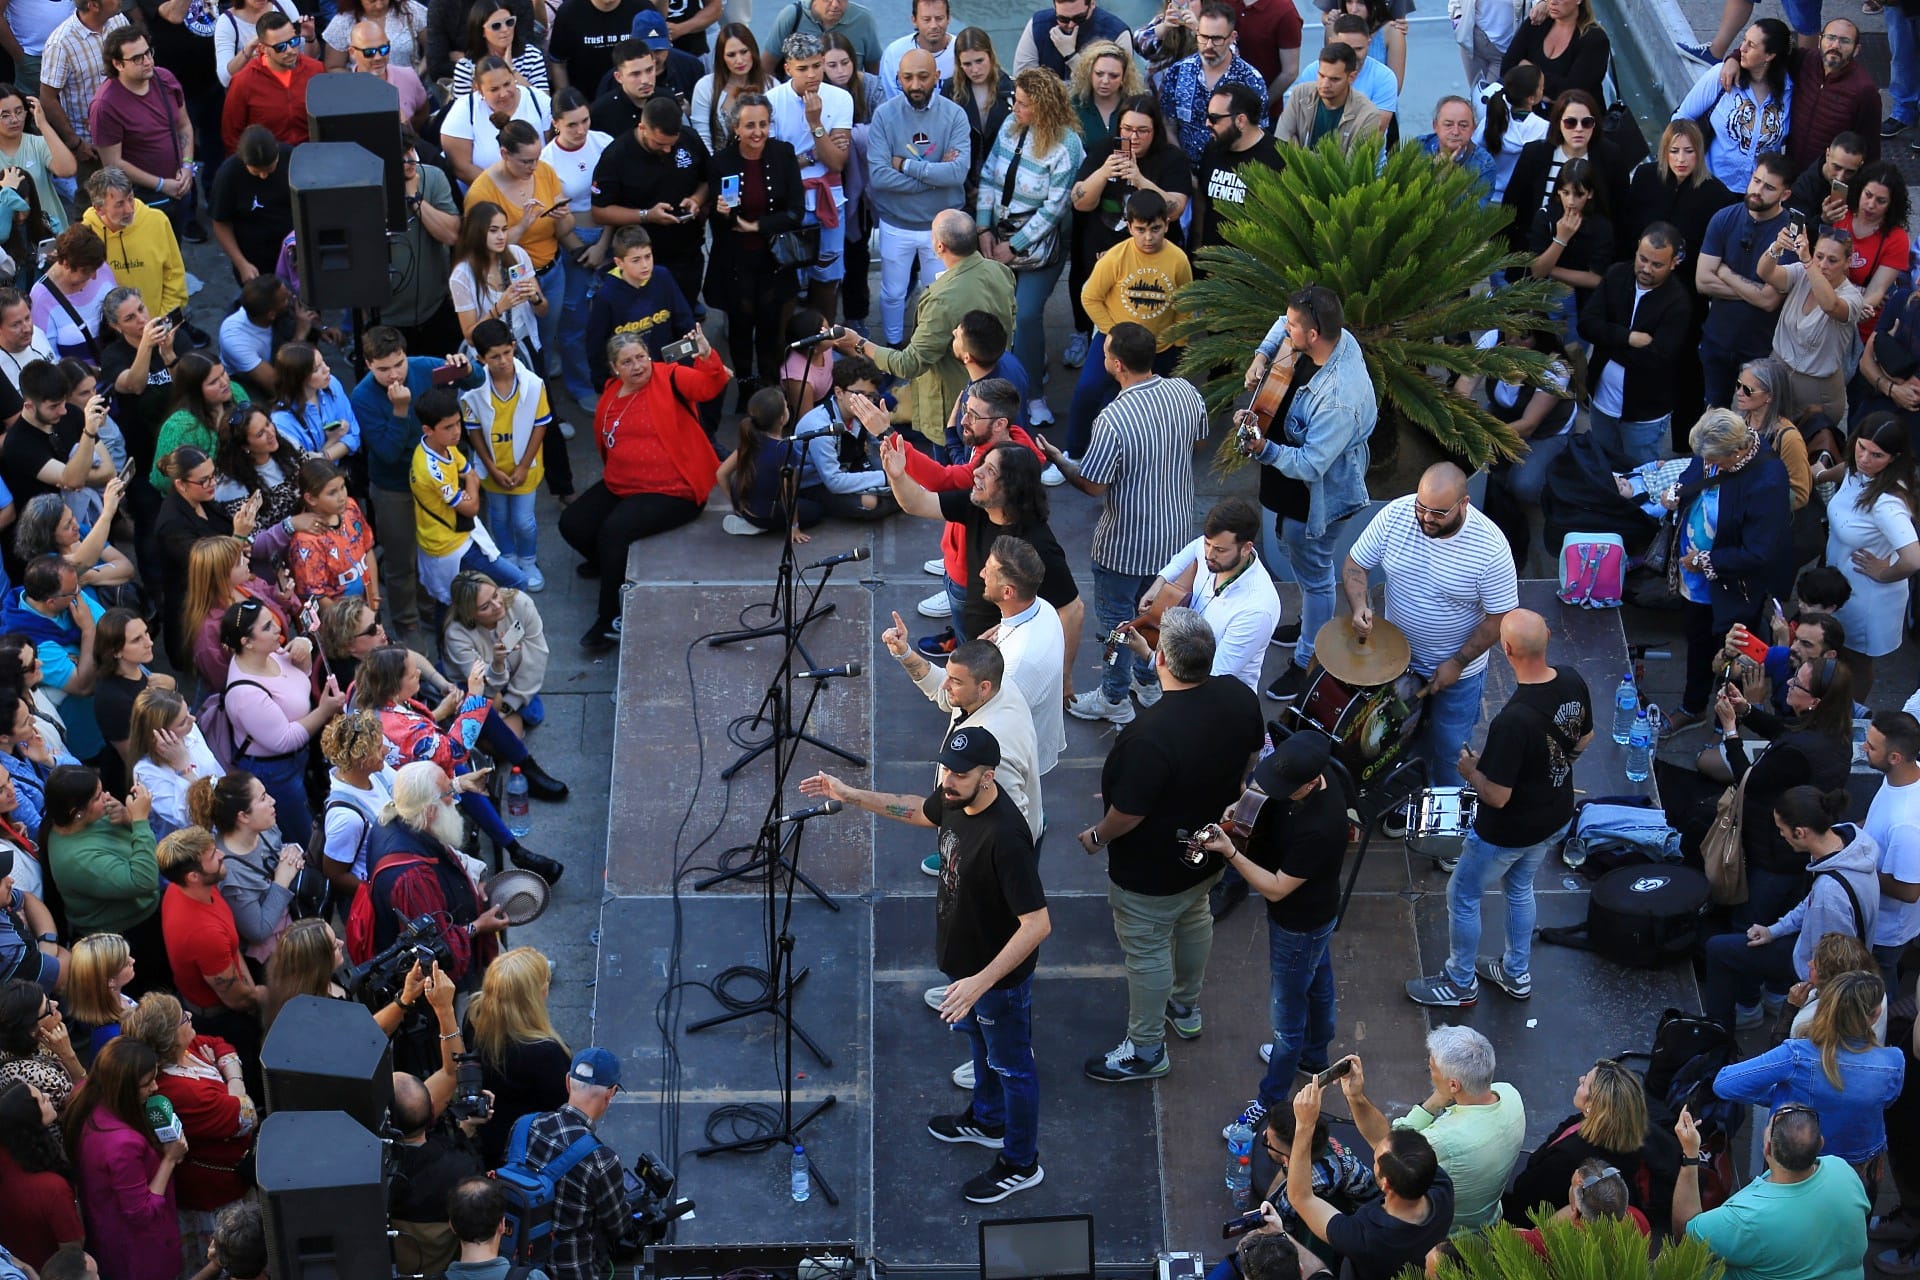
column 1450, row 580
column 1141, row 463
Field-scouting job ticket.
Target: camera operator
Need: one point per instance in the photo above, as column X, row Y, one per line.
column 589, row 1205
column 477, row 1209
column 436, row 1147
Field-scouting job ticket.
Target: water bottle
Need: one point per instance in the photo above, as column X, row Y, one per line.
column 1640, row 749
column 1240, row 1183
column 797, row 1175
column 519, row 822
column 1626, row 702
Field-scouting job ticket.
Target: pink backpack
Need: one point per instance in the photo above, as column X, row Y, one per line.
column 1593, row 570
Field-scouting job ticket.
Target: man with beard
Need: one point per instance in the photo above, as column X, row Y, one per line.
column 1741, row 317
column 203, row 942
column 918, row 147
column 414, row 870
column 1450, row 580
column 1188, row 86
column 1233, row 114
column 654, row 175
column 1637, row 323
column 1833, row 93
column 636, row 81
column 1219, row 573
column 991, row 916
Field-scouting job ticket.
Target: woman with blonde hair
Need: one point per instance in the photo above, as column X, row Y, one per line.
column 984, row 92
column 219, row 576
column 1833, row 955
column 523, row 1060
column 95, row 1001
column 169, row 755
column 1609, row 1122
column 1022, row 210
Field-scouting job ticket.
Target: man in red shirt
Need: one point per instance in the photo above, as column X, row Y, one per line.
column 203, row 943
column 272, row 89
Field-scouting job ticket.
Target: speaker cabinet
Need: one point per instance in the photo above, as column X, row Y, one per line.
column 326, row 1196
column 339, row 225
column 328, row 1055
column 343, row 107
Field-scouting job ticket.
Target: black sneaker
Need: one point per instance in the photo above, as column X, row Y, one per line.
column 1002, row 1180
column 963, row 1128
column 1892, row 128
column 1290, row 684
column 1225, row 896
column 601, row 636
column 1494, row 970
column 1123, row 1062
column 1438, row 991
column 1286, row 635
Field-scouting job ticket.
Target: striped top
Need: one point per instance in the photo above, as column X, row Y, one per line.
column 1143, row 448
column 1041, row 184
column 1439, row 589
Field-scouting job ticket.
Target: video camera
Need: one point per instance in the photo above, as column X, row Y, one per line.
column 651, row 1205
column 381, row 977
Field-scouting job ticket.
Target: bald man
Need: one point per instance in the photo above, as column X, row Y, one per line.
column 1524, row 778
column 371, row 53
column 1450, row 579
column 918, row 148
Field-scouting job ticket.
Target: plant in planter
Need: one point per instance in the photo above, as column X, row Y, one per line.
column 1606, row 1249
column 1404, row 245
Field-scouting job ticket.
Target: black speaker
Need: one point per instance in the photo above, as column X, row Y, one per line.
column 328, row 1055
column 326, row 1196
column 339, row 226
column 344, row 107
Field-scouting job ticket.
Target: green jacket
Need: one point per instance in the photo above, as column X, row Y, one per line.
column 971, row 284
column 108, row 875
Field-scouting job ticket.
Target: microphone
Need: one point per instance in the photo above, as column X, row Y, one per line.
column 834, row 334
column 815, row 434
column 820, row 810
column 829, row 673
column 845, row 557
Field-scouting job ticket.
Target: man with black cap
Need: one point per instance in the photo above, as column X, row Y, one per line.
column 590, row 1204
column 1292, row 859
column 29, row 947
column 990, row 918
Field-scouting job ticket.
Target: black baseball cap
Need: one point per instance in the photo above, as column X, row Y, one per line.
column 1294, row 761
column 969, row 748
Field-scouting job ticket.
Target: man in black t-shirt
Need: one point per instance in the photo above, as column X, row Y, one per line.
column 655, row 174
column 252, row 208
column 1233, row 114
column 1173, row 770
column 1524, row 779
column 41, row 452
column 1293, row 861
column 990, row 916
column 583, row 36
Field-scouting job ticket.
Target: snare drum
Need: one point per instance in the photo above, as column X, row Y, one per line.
column 1438, row 820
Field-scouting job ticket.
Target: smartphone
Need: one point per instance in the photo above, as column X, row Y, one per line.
column 1341, row 1068
column 174, row 318
column 510, row 638
column 684, row 216
column 675, row 352
column 1838, row 189
column 730, row 188
column 1797, row 222
column 126, row 472
column 516, row 273
column 447, row 375
column 1241, row 1225
column 1754, row 648
column 44, row 250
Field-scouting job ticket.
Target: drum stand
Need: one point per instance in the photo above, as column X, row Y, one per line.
column 1372, row 805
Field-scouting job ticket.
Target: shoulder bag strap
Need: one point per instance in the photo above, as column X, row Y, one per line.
column 1853, row 900
column 1013, row 175
column 66, row 304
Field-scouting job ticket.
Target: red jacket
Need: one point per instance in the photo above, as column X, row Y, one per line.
column 1823, row 109
column 257, row 97
column 219, row 1132
column 662, row 410
column 937, row 478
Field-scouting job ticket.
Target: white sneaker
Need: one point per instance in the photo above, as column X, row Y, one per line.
column 936, row 566
column 934, row 606
column 1146, row 694
column 1038, row 414
column 935, row 997
column 1266, row 1052
column 536, row 581
column 963, row 1075
column 566, row 429
column 1093, row 705
column 739, row 526
column 1053, row 477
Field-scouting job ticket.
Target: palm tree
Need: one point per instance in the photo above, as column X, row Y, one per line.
column 1606, row 1249
column 1404, row 245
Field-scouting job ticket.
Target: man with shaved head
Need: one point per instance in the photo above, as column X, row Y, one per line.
column 1524, row 778
column 1450, row 579
column 917, row 153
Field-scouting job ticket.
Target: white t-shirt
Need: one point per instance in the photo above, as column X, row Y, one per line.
column 575, row 168
column 1875, row 614
column 791, row 127
column 472, row 118
column 346, row 826
column 1439, row 589
column 1242, row 615
column 1609, row 396
column 1034, row 648
column 890, row 63
column 169, row 787
column 1893, row 820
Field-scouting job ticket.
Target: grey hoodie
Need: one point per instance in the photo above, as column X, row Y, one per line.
column 1825, row 909
column 926, row 182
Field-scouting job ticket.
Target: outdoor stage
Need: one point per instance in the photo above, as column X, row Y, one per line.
column 1145, row 1160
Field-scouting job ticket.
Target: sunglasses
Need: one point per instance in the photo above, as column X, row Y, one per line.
column 368, row 630
column 502, row 24
column 1422, row 508
column 1577, row 122
column 291, row 42
column 374, row 51
column 1748, row 388
column 1216, row 118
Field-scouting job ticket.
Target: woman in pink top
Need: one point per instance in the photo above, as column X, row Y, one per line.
column 270, row 703
column 126, row 1175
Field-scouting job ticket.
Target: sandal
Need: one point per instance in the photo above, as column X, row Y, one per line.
column 1677, row 721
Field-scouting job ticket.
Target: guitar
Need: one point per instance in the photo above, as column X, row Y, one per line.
column 1253, row 422
column 1177, row 592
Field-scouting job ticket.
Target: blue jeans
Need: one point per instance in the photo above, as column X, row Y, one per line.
column 957, row 598
column 1116, row 599
column 1031, row 289
column 1312, row 561
column 1481, row 864
column 1903, row 42
column 1735, row 972
column 553, row 283
column 831, row 266
column 1303, row 1009
column 510, row 519
column 285, row 779
column 1719, row 369
column 1628, row 444
column 504, row 572
column 573, row 322
column 1451, row 715
column 1006, row 1086
column 1528, row 477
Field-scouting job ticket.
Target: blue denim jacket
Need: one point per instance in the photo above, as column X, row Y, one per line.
column 1325, row 435
column 1852, row 1118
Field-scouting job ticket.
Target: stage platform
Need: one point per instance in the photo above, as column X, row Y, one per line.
column 1145, row 1160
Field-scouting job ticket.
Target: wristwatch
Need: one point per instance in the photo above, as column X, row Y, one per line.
column 819, row 131
column 1701, row 1161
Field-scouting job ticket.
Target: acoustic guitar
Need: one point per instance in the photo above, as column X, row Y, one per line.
column 1256, row 419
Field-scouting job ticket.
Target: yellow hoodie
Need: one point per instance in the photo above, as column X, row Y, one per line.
column 146, row 257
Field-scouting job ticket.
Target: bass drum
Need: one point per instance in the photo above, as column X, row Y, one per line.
column 1370, row 727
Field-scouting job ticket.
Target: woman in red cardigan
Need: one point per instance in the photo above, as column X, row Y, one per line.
column 659, row 465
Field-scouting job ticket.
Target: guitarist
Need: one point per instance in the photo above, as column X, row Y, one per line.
column 1312, row 446
column 1234, row 596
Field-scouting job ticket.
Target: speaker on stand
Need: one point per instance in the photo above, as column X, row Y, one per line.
column 326, row 1188
column 339, row 226
column 329, row 1055
column 345, row 107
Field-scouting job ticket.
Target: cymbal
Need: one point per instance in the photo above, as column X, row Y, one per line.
column 1379, row 658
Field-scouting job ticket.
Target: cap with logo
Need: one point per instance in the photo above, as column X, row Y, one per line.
column 595, row 1065
column 969, row 748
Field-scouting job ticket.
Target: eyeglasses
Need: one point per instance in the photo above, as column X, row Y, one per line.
column 1136, row 130
column 199, row 481
column 291, row 42
column 971, row 416
column 1747, row 388
column 48, row 1012
column 370, row 628
column 145, row 55
column 503, row 24
column 1577, row 122
column 1204, row 38
column 1217, row 117
column 374, row 51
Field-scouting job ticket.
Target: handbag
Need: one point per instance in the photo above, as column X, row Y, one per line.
column 795, row 250
column 1042, row 252
column 1721, row 854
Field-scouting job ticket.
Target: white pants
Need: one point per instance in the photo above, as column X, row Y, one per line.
column 897, row 247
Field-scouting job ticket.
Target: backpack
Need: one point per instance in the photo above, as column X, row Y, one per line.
column 530, row 1193
column 360, row 919
column 1688, row 1051
column 216, row 725
column 1593, row 570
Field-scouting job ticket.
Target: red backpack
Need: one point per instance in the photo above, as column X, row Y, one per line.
column 360, row 917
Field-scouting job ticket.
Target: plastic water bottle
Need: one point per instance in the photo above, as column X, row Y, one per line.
column 1640, row 749
column 1240, row 1183
column 797, row 1175
column 1626, row 704
column 519, row 822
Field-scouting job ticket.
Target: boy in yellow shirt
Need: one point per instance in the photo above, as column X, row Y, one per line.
column 1134, row 280
column 506, row 417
